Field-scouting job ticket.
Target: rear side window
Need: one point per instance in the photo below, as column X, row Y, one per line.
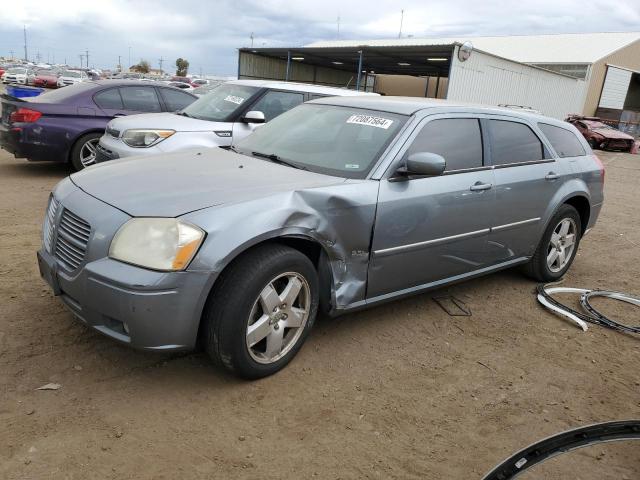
column 109, row 99
column 458, row 140
column 564, row 142
column 275, row 103
column 514, row 142
column 140, row 99
column 175, row 100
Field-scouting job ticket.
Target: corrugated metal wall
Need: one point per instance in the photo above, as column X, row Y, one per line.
column 491, row 80
column 253, row 66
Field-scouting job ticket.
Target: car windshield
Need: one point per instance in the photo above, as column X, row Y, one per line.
column 335, row 140
column 17, row 70
column 221, row 103
column 71, row 73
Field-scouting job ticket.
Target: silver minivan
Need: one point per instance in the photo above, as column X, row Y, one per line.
column 227, row 114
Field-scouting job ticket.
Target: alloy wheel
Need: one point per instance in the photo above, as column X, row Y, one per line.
column 278, row 317
column 88, row 152
column 561, row 245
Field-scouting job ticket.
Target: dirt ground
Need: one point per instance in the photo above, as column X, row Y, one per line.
column 399, row 391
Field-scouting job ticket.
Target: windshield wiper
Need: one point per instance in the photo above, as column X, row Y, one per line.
column 184, row 114
column 276, row 159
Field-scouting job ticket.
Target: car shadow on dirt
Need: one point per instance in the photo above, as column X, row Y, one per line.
column 35, row 169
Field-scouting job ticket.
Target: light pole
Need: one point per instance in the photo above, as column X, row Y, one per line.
column 129, row 66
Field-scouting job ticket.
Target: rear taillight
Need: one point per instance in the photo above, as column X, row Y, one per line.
column 600, row 165
column 24, row 115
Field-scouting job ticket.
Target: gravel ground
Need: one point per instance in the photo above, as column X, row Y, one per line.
column 399, row 391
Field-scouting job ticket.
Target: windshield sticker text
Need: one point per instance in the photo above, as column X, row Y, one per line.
column 378, row 122
column 351, row 166
column 234, row 99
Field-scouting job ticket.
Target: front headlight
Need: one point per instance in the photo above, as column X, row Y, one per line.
column 139, row 138
column 157, row 243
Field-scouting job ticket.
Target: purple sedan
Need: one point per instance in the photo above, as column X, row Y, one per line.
column 65, row 125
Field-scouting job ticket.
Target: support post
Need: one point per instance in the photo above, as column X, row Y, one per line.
column 437, row 86
column 286, row 76
column 359, row 71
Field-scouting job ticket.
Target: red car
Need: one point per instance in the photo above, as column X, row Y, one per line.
column 184, row 80
column 46, row 80
column 600, row 135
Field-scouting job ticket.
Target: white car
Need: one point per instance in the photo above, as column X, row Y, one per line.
column 15, row 75
column 71, row 77
column 224, row 116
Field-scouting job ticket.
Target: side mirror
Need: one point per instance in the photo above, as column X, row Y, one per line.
column 425, row 164
column 254, row 116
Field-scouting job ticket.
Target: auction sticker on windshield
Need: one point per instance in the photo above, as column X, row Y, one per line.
column 371, row 121
column 234, row 99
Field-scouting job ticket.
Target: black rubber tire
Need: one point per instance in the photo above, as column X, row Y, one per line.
column 227, row 311
column 76, row 164
column 593, row 144
column 537, row 267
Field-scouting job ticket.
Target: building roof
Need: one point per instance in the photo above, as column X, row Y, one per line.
column 552, row 48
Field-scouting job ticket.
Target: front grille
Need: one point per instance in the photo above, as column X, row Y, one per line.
column 72, row 238
column 49, row 224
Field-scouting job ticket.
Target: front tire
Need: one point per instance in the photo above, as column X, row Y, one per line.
column 558, row 246
column 261, row 311
column 83, row 153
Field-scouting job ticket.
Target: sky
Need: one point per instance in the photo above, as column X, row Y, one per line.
column 209, row 32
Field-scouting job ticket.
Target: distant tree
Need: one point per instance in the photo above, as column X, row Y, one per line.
column 182, row 67
column 142, row 67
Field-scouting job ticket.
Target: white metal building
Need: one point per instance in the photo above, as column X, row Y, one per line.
column 556, row 74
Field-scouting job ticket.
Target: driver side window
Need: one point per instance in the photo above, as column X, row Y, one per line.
column 458, row 140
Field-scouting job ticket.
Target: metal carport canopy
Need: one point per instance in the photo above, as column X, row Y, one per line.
column 394, row 60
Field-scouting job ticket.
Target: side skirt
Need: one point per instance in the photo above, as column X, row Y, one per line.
column 387, row 297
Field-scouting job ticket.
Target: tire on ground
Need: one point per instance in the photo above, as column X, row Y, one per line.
column 227, row 312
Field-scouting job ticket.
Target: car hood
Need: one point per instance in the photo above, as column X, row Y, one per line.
column 610, row 133
column 167, row 121
column 170, row 185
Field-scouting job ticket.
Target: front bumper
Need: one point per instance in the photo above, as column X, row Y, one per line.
column 135, row 306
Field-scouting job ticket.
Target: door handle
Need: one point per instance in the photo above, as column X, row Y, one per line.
column 479, row 186
column 552, row 176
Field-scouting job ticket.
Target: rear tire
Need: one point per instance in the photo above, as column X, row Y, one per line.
column 251, row 326
column 558, row 246
column 83, row 153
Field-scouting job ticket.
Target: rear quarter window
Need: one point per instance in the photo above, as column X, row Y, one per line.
column 563, row 141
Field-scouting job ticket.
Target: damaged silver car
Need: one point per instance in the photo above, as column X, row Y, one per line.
column 338, row 204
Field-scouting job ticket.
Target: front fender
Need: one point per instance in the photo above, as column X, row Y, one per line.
column 339, row 218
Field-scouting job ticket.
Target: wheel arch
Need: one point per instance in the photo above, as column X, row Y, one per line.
column 583, row 206
column 309, row 246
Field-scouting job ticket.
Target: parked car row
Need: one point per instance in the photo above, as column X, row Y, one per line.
column 66, row 125
column 336, row 204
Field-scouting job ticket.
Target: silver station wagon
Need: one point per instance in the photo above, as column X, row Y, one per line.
column 338, row 204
